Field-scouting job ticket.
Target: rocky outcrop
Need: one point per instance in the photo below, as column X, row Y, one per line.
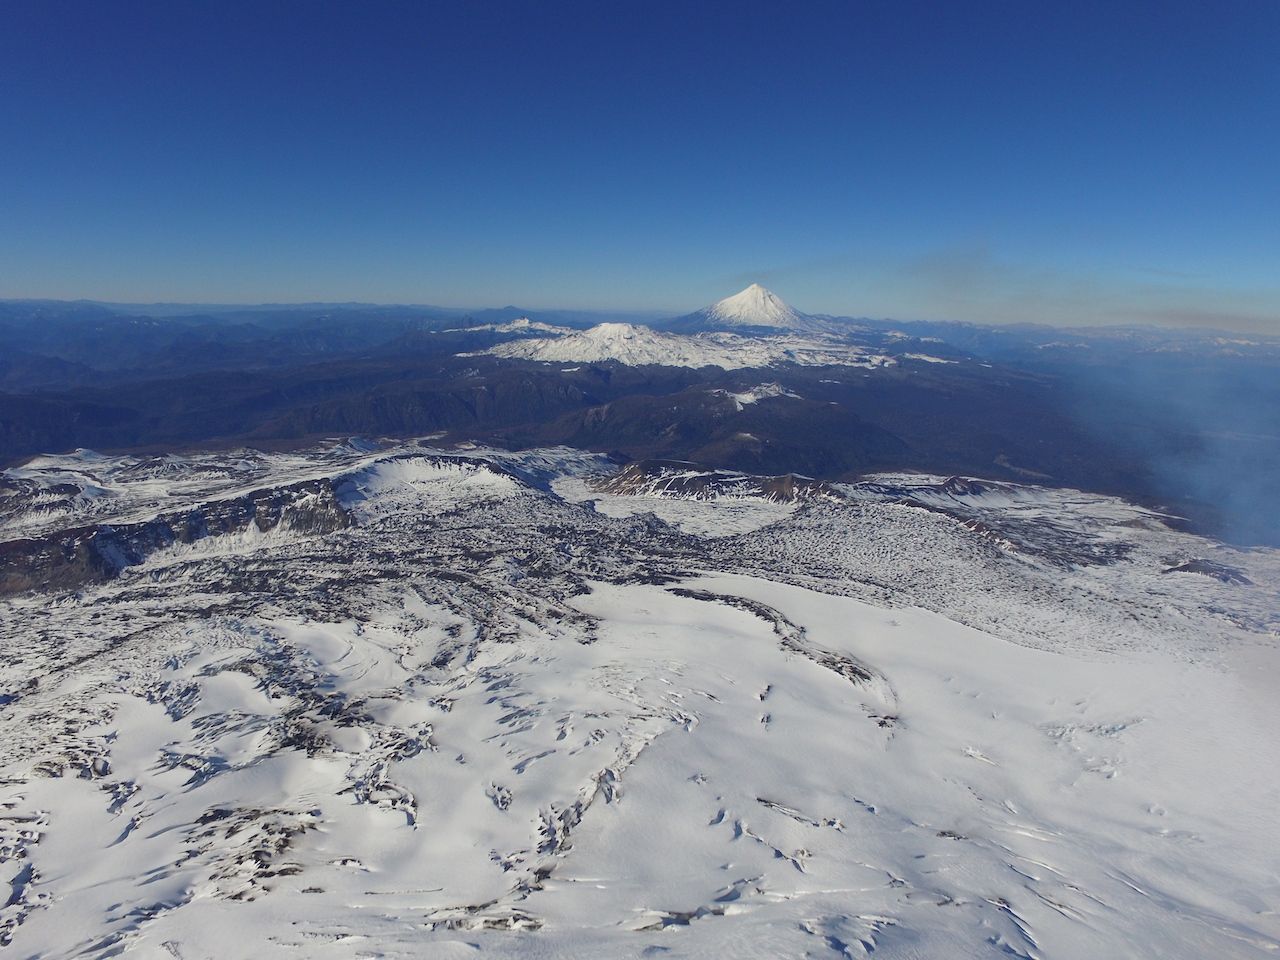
column 70, row 558
column 674, row 478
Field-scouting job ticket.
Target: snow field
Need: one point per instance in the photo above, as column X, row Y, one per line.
column 489, row 720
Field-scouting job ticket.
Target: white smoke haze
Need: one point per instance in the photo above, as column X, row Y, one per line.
column 975, row 284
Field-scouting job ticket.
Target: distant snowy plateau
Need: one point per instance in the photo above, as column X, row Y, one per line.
column 639, row 346
column 751, row 329
column 408, row 702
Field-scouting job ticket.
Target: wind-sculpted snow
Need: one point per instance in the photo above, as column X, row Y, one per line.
column 506, row 708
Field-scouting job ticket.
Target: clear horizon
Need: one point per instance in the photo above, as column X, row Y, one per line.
column 1071, row 164
column 156, row 308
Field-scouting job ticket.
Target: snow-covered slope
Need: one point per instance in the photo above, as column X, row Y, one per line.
column 751, row 329
column 754, row 310
column 521, row 325
column 504, row 712
column 639, row 346
column 754, row 307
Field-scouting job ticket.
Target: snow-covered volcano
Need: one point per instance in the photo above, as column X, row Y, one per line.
column 639, row 346
column 635, row 346
column 754, row 310
column 754, row 307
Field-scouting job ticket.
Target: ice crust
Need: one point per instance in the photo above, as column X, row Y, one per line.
column 506, row 715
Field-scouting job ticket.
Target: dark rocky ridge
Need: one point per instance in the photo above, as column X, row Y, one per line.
column 1209, row 568
column 97, row 553
column 700, row 482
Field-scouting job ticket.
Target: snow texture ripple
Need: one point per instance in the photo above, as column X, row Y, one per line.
column 507, row 708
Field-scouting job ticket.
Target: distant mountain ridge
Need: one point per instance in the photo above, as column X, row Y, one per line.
column 1195, row 413
column 752, row 328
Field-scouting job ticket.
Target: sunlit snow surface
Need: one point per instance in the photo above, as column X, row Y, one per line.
column 638, row 346
column 505, row 714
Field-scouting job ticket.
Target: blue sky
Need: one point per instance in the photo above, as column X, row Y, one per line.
column 1070, row 162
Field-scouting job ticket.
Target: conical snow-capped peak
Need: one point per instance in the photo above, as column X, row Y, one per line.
column 756, row 307
column 752, row 312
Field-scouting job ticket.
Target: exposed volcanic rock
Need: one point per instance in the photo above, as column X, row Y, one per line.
column 1011, row 516
column 697, row 481
column 93, row 554
column 1210, row 569
column 457, row 702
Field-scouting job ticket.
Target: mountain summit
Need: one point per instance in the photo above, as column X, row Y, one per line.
column 754, row 310
column 754, row 307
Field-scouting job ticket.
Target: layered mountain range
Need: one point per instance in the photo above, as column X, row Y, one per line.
column 388, row 633
column 1183, row 419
